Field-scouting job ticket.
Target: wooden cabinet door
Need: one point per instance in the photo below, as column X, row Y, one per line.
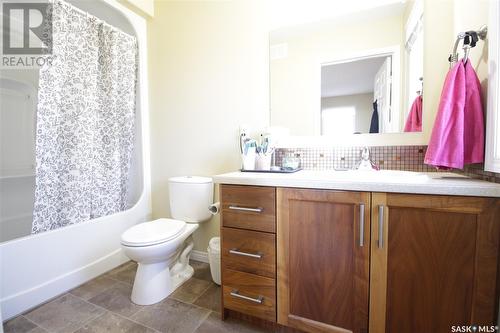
column 323, row 242
column 433, row 262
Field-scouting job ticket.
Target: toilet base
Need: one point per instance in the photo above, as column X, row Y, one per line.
column 151, row 284
column 154, row 282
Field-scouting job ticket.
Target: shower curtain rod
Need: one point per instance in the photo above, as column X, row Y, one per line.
column 87, row 14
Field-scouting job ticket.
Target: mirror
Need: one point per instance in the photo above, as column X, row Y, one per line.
column 358, row 73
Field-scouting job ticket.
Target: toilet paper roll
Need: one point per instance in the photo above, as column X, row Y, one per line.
column 214, row 208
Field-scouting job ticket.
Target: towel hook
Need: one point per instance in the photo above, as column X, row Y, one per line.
column 469, row 39
column 421, row 91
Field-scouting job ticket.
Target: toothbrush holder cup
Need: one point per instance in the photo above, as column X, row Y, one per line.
column 248, row 159
column 263, row 162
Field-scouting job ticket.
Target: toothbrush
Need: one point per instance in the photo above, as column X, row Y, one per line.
column 242, row 142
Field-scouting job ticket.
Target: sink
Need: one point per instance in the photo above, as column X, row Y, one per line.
column 389, row 176
column 393, row 173
column 395, row 176
column 385, row 176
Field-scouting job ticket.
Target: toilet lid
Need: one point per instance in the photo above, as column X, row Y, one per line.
column 154, row 232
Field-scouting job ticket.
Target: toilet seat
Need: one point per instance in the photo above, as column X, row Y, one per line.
column 153, row 233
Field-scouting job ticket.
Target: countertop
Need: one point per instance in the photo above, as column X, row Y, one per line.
column 369, row 181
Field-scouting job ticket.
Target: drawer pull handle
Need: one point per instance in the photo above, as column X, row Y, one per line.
column 361, row 225
column 236, row 293
column 245, row 254
column 380, row 226
column 246, row 209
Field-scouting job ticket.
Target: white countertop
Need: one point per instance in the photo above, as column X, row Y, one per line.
column 368, row 181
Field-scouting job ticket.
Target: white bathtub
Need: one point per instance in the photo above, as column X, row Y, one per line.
column 15, row 227
column 36, row 268
column 17, row 195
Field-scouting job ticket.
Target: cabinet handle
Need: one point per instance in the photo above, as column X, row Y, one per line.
column 245, row 209
column 245, row 254
column 236, row 293
column 380, row 226
column 361, row 225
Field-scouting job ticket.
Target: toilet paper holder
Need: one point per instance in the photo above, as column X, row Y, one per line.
column 214, row 208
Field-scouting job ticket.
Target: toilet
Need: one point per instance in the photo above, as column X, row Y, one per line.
column 162, row 247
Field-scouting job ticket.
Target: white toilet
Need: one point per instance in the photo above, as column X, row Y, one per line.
column 162, row 247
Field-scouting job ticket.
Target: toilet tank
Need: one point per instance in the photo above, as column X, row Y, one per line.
column 190, row 197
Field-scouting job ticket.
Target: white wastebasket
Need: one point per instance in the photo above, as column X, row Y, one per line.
column 214, row 258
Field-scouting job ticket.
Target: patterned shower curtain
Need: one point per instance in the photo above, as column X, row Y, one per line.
column 85, row 121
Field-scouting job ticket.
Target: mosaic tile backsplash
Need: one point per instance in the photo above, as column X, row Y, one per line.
column 410, row 158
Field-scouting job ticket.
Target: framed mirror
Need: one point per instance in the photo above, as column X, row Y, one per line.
column 359, row 74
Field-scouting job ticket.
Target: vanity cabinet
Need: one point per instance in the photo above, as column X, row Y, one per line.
column 248, row 250
column 341, row 261
column 433, row 262
column 323, row 260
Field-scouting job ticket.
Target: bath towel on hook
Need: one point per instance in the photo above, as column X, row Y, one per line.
column 458, row 134
column 414, row 120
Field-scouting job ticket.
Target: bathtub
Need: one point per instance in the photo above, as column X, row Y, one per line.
column 36, row 268
column 17, row 195
column 15, row 227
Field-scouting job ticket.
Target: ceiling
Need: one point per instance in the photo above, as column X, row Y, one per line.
column 308, row 16
column 349, row 78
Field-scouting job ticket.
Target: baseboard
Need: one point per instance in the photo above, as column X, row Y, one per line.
column 199, row 256
column 28, row 299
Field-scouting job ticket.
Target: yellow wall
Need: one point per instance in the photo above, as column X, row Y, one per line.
column 142, row 7
column 208, row 74
column 444, row 19
column 208, row 64
column 363, row 104
column 471, row 15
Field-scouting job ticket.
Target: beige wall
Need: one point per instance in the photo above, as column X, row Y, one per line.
column 363, row 104
column 443, row 20
column 208, row 64
column 438, row 41
column 143, row 7
column 471, row 15
column 295, row 80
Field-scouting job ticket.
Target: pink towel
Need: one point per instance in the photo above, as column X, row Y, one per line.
column 414, row 120
column 458, row 134
column 473, row 118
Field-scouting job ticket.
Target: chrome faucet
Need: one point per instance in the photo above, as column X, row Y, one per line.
column 365, row 163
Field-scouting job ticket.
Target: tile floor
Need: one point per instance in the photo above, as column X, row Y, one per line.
column 103, row 305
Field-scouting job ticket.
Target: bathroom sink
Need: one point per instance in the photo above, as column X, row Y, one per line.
column 396, row 176
column 389, row 173
column 386, row 176
column 451, row 176
column 381, row 176
column 400, row 176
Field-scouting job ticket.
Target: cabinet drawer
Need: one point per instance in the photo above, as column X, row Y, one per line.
column 249, row 207
column 249, row 251
column 250, row 294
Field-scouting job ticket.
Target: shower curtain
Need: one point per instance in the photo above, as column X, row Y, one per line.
column 85, row 121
